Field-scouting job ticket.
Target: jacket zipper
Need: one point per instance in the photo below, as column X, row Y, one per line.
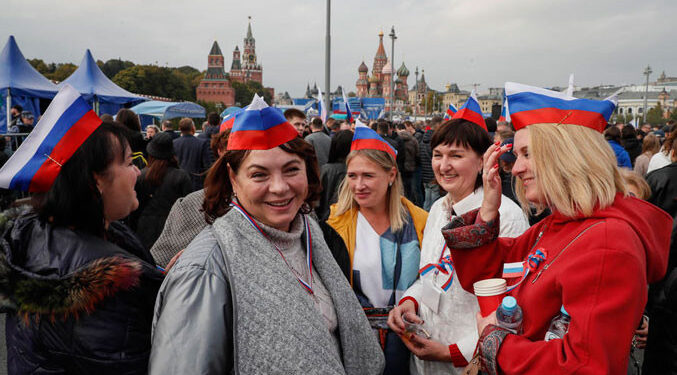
column 563, row 250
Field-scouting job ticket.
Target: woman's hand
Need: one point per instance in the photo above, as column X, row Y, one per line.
column 491, row 182
column 483, row 322
column 395, row 321
column 427, row 350
column 639, row 340
column 173, row 260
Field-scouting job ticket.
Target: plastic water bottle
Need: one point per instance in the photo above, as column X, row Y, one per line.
column 559, row 326
column 509, row 315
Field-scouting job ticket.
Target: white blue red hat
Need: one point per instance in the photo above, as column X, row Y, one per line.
column 67, row 123
column 534, row 105
column 451, row 111
column 471, row 111
column 367, row 139
column 259, row 127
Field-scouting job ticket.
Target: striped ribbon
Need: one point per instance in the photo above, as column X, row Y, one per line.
column 445, row 265
column 531, row 265
column 308, row 286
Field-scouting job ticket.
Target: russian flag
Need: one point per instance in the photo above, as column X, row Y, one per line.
column 367, row 139
column 534, row 105
column 451, row 111
column 505, row 115
column 322, row 108
column 471, row 111
column 260, row 127
column 512, row 270
column 349, row 114
column 66, row 124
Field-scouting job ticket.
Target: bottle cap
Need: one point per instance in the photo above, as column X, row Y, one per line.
column 563, row 311
column 509, row 303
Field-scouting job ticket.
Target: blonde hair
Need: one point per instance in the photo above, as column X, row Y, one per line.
column 633, row 179
column 396, row 210
column 575, row 168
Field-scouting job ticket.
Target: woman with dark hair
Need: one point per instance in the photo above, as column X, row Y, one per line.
column 457, row 149
column 257, row 291
column 160, row 184
column 80, row 286
column 333, row 172
column 630, row 142
column 130, row 121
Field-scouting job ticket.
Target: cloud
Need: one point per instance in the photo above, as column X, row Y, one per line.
column 463, row 41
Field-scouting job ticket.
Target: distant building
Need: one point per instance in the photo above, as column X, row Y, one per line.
column 379, row 83
column 246, row 68
column 215, row 86
column 417, row 95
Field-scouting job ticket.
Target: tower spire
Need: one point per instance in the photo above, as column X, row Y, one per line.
column 249, row 28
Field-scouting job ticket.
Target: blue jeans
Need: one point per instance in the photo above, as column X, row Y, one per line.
column 432, row 193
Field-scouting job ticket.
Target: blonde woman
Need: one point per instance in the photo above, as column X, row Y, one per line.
column 382, row 231
column 650, row 146
column 593, row 256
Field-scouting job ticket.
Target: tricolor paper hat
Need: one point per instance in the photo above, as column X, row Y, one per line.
column 260, row 127
column 451, row 111
column 471, row 111
column 67, row 123
column 534, row 105
column 367, row 139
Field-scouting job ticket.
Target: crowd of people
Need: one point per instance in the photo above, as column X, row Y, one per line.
column 284, row 244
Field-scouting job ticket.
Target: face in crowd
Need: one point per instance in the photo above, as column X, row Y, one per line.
column 116, row 185
column 271, row 185
column 456, row 169
column 524, row 169
column 299, row 124
column 369, row 182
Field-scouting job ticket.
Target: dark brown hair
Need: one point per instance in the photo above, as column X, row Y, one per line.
column 219, row 142
column 129, row 119
column 157, row 169
column 293, row 112
column 219, row 191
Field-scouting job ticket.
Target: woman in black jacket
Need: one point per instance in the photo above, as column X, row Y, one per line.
column 160, row 184
column 78, row 287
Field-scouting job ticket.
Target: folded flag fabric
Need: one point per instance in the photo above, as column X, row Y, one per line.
column 349, row 114
column 367, row 139
column 66, row 124
column 534, row 105
column 505, row 114
column 471, row 111
column 260, row 127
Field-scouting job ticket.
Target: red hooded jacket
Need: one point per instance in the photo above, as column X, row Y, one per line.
column 598, row 267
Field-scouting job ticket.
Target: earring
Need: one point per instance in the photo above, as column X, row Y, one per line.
column 390, row 184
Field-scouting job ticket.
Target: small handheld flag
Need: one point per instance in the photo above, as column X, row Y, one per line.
column 505, row 114
column 367, row 139
column 260, row 127
column 322, row 108
column 349, row 114
column 533, row 105
column 451, row 111
column 66, row 124
column 471, row 111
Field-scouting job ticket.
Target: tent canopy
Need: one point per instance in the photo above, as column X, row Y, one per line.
column 169, row 110
column 229, row 110
column 20, row 77
column 90, row 81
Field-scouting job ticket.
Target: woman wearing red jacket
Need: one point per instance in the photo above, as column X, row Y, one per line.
column 594, row 255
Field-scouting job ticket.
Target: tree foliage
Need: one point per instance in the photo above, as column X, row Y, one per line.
column 113, row 66
column 157, row 81
column 654, row 116
column 55, row 72
column 244, row 92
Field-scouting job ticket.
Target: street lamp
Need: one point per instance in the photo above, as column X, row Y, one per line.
column 327, row 58
column 647, row 72
column 392, row 71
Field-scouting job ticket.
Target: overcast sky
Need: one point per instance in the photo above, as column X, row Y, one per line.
column 488, row 42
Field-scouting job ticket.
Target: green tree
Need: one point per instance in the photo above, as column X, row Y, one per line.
column 673, row 114
column 155, row 80
column 41, row 67
column 244, row 92
column 62, row 72
column 654, row 116
column 432, row 102
column 113, row 66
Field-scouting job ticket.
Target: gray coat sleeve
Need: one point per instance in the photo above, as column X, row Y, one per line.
column 192, row 327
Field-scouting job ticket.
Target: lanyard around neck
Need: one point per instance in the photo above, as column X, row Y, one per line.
column 307, row 285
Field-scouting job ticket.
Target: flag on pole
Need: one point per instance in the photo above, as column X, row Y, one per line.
column 321, row 107
column 570, row 89
column 67, row 123
column 451, row 111
column 505, row 114
column 349, row 114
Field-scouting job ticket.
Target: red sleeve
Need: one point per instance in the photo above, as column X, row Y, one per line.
column 491, row 252
column 605, row 292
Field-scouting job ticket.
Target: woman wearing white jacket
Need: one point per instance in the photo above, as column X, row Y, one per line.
column 436, row 297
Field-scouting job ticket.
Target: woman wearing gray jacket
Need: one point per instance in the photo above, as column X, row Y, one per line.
column 258, row 291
